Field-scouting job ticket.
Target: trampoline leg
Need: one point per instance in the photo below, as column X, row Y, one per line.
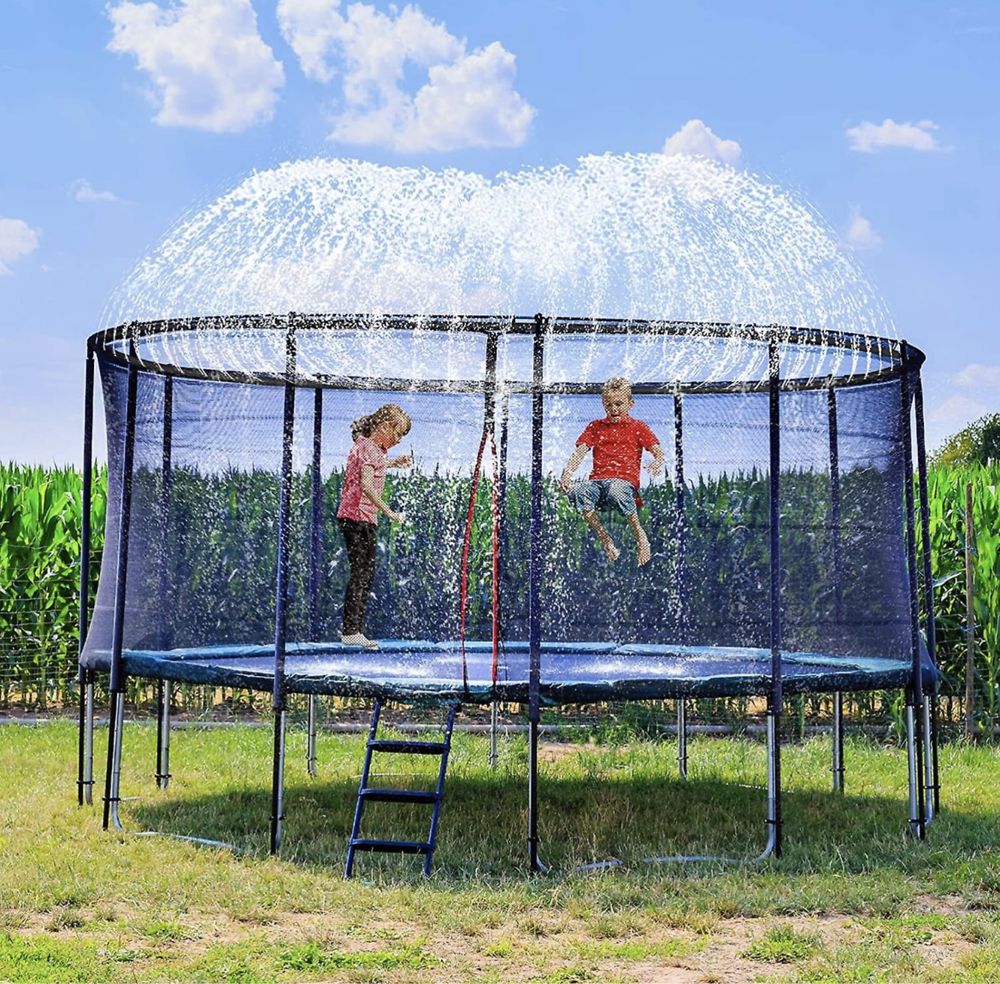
column 112, row 779
column 80, row 738
column 533, row 794
column 278, row 783
column 838, row 742
column 88, row 745
column 163, row 736
column 916, row 820
column 311, row 736
column 494, row 726
column 85, row 777
column 773, row 846
column 936, row 785
column 534, row 860
column 928, row 736
column 682, row 738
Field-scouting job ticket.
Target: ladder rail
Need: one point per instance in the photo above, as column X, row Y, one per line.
column 436, row 814
column 359, row 808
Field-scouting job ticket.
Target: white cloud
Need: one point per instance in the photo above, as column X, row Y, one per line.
column 860, row 234
column 696, row 139
column 955, row 400
column 83, row 191
column 978, row 375
column 871, row 137
column 17, row 239
column 956, row 412
column 209, row 66
column 468, row 99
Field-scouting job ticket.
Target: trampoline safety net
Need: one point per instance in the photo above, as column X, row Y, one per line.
column 203, row 537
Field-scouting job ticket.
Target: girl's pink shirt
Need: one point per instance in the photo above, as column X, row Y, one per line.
column 354, row 504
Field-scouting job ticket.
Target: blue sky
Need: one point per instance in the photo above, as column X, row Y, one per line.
column 117, row 118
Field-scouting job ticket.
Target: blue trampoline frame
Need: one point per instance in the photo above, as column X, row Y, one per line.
column 788, row 672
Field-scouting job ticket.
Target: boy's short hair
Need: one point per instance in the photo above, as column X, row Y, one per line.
column 616, row 384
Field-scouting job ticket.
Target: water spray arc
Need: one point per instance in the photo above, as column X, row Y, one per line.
column 785, row 528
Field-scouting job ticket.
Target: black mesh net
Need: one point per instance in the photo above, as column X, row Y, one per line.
column 203, row 537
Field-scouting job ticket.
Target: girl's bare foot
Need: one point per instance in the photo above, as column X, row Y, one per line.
column 611, row 550
column 642, row 549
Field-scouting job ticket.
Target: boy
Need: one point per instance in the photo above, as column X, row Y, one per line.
column 617, row 442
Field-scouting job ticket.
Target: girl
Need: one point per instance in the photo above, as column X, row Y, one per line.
column 360, row 503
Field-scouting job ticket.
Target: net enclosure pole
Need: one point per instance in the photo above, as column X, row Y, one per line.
column 774, row 705
column 281, row 593
column 838, row 578
column 535, row 589
column 931, row 774
column 85, row 744
column 167, row 478
column 112, row 777
column 679, row 584
column 915, row 690
column 315, row 563
column 502, row 480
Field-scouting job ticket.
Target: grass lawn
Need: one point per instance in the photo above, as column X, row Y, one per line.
column 853, row 898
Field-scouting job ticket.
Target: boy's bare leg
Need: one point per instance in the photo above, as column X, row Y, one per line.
column 594, row 522
column 643, row 552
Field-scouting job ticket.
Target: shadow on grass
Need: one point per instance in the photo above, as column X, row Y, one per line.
column 483, row 829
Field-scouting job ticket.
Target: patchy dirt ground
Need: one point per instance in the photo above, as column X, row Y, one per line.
column 534, row 946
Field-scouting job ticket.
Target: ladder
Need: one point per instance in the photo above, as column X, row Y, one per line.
column 372, row 794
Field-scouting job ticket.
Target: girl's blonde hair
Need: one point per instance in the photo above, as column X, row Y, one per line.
column 388, row 412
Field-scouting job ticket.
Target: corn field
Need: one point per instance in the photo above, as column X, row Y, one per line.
column 40, row 518
column 39, row 581
column 946, row 492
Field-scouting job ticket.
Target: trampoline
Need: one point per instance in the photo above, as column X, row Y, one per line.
column 579, row 673
column 784, row 532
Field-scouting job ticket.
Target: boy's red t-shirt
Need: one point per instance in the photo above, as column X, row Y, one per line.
column 617, row 447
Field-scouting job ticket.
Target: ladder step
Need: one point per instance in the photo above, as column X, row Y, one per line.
column 373, row 795
column 399, row 847
column 411, row 747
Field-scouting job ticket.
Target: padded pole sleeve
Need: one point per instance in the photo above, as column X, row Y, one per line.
column 502, row 499
column 774, row 394
column 166, row 490
column 316, row 526
column 835, row 504
column 925, row 527
column 680, row 575
column 906, row 438
column 284, row 521
column 535, row 544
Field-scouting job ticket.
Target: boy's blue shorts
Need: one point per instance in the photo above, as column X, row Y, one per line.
column 589, row 494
